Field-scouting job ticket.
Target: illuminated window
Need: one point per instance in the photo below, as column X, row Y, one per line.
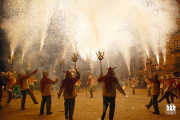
column 177, row 45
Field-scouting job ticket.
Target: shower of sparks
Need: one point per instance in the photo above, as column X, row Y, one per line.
column 12, row 54
column 164, row 59
column 23, row 55
column 87, row 26
column 157, row 58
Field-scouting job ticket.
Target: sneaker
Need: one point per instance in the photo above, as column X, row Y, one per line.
column 147, row 107
column 49, row 113
column 66, row 117
column 41, row 113
column 155, row 112
column 36, row 103
column 23, row 108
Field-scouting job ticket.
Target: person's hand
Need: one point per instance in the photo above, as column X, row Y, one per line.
column 124, row 94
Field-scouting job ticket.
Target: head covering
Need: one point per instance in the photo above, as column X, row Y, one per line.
column 68, row 75
column 109, row 78
column 111, row 71
column 45, row 80
column 155, row 76
column 68, row 82
column 45, row 74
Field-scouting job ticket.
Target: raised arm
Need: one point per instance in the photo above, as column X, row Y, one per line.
column 54, row 82
column 77, row 76
column 34, row 72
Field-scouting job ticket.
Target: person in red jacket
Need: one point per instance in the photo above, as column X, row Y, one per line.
column 45, row 89
column 110, row 84
column 24, row 88
column 170, row 86
column 69, row 87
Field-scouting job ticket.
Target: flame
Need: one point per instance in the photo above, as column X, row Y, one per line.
column 157, row 57
column 12, row 53
column 164, row 59
column 23, row 55
column 124, row 87
column 147, row 52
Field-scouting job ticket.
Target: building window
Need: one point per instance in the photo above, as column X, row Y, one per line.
column 177, row 45
column 177, row 62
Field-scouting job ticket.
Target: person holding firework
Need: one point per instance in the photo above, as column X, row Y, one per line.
column 110, row 84
column 69, row 87
column 24, row 88
column 45, row 89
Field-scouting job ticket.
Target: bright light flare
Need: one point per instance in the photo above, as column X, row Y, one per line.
column 157, row 58
column 22, row 55
column 147, row 52
column 164, row 59
column 12, row 54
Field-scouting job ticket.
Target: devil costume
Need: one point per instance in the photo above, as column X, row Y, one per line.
column 110, row 84
column 45, row 89
column 24, row 88
column 69, row 87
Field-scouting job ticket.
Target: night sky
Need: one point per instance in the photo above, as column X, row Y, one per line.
column 4, row 45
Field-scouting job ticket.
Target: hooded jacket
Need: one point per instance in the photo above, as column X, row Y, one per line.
column 45, row 85
column 23, row 81
column 110, row 84
column 68, row 86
